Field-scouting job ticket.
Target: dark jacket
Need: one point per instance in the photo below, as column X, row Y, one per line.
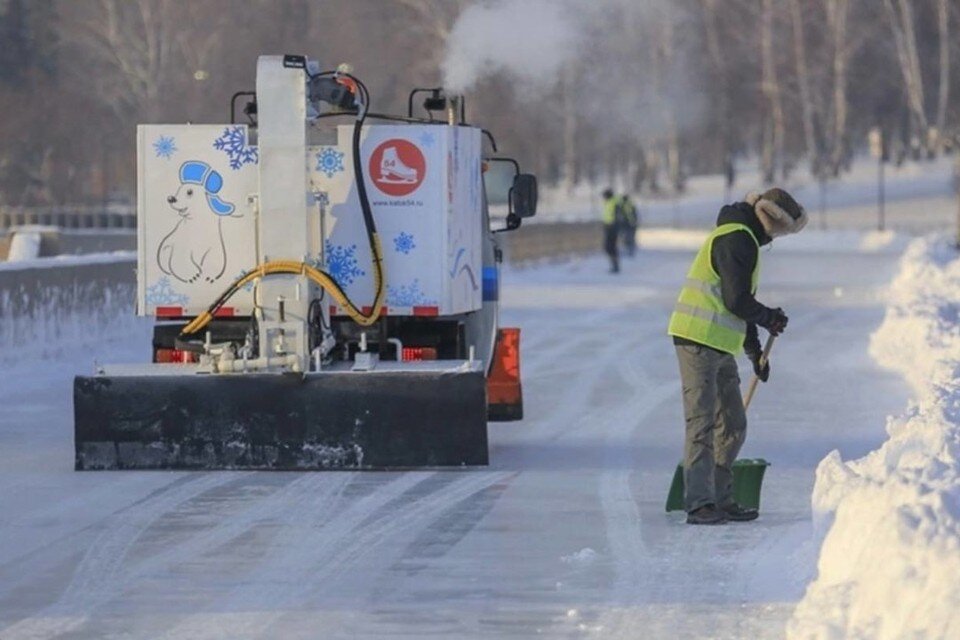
column 734, row 258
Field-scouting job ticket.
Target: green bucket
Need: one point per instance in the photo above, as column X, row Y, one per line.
column 747, row 479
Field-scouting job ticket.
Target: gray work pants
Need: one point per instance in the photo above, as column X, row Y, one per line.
column 716, row 424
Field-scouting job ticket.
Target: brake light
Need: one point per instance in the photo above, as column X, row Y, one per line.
column 419, row 353
column 167, row 356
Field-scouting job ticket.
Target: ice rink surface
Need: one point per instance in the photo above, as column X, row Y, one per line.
column 563, row 536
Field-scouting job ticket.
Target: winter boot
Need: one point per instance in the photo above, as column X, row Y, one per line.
column 736, row 513
column 707, row 514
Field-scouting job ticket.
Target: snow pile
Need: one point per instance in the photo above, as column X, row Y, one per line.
column 890, row 562
column 25, row 245
column 62, row 261
column 810, row 241
column 48, row 305
column 666, row 239
column 582, row 558
column 845, row 240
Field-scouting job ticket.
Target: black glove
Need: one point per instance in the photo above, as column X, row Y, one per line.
column 762, row 371
column 776, row 322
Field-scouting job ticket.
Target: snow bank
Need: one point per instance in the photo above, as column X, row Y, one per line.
column 810, row 240
column 845, row 240
column 51, row 304
column 25, row 245
column 850, row 201
column 889, row 566
column 58, row 262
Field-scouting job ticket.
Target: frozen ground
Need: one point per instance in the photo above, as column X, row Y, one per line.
column 564, row 535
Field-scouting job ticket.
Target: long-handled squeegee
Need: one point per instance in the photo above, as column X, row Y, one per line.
column 764, row 358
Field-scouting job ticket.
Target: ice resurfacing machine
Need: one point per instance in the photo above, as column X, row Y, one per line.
column 325, row 297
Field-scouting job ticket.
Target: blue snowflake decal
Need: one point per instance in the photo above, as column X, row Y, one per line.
column 162, row 293
column 404, row 243
column 330, row 161
column 427, row 139
column 410, row 295
column 233, row 142
column 342, row 263
column 165, row 147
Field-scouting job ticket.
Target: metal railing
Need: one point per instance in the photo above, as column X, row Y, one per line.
column 529, row 243
column 70, row 298
column 534, row 242
column 70, row 216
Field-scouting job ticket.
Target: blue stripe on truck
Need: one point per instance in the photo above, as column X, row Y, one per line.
column 491, row 284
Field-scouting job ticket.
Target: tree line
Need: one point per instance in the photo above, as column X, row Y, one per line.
column 661, row 89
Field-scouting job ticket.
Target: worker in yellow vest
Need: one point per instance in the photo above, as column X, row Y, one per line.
column 629, row 221
column 715, row 318
column 610, row 216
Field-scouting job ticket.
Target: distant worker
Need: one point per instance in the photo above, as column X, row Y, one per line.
column 715, row 317
column 629, row 221
column 611, row 228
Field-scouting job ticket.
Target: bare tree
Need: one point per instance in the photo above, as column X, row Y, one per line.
column 804, row 82
column 569, row 170
column 902, row 25
column 943, row 103
column 663, row 56
column 723, row 113
column 799, row 75
column 433, row 19
column 131, row 44
column 772, row 156
column 838, row 11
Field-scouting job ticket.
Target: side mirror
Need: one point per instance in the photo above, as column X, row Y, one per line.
column 523, row 195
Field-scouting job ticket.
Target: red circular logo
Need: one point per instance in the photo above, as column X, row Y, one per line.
column 397, row 167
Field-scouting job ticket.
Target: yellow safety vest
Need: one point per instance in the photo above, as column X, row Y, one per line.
column 610, row 210
column 700, row 314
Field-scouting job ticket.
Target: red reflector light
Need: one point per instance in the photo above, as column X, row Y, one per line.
column 168, row 312
column 167, row 356
column 426, row 311
column 419, row 353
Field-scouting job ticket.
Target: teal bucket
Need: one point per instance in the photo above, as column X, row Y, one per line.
column 747, row 480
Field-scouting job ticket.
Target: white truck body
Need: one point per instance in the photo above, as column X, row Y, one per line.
column 425, row 190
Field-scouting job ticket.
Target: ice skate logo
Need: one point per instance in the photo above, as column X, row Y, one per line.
column 397, row 167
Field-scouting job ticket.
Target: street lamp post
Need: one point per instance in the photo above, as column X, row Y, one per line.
column 875, row 138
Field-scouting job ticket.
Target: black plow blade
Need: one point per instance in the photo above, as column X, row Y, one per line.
column 371, row 420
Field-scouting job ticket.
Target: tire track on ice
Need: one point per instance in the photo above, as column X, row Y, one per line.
column 573, row 404
column 91, row 588
column 305, row 570
column 607, row 420
column 574, row 340
column 408, row 524
column 621, row 512
column 103, row 559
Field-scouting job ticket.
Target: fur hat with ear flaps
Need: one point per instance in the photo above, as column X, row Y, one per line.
column 777, row 211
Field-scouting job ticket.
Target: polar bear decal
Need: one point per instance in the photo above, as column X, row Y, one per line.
column 194, row 248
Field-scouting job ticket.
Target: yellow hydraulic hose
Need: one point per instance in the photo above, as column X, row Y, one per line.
column 321, row 278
